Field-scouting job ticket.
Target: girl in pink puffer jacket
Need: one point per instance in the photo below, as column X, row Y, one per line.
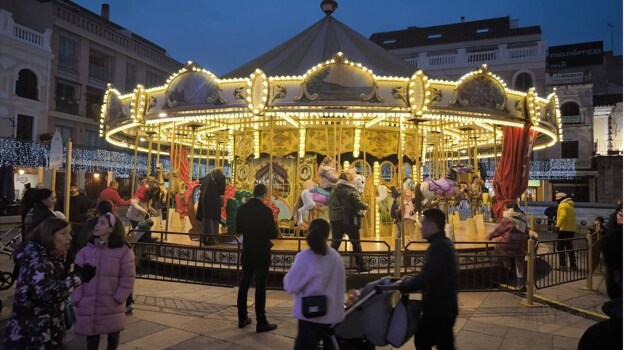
column 101, row 303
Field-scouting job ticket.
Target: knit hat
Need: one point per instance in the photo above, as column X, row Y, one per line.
column 560, row 195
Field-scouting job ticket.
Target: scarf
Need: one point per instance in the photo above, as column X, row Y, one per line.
column 518, row 219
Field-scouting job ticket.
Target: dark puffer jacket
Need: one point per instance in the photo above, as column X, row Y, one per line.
column 344, row 198
column 36, row 321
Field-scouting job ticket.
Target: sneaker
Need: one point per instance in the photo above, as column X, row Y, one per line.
column 244, row 322
column 129, row 308
column 265, row 327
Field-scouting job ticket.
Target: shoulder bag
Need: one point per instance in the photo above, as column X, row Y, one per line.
column 315, row 305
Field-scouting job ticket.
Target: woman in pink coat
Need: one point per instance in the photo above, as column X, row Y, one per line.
column 101, row 303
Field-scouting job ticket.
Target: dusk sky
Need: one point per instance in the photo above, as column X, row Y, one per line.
column 222, row 35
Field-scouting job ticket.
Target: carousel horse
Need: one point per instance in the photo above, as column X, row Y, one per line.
column 475, row 195
column 313, row 195
column 445, row 187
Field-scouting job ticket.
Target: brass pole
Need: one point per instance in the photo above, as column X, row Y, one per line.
column 340, row 145
column 270, row 156
column 158, row 148
column 134, row 164
column 192, row 158
column 172, row 157
column 149, row 153
column 399, row 236
column 68, row 167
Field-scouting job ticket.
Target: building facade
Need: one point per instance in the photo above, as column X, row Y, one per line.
column 514, row 53
column 88, row 51
column 25, row 68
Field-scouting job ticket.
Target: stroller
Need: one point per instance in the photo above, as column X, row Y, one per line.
column 13, row 238
column 379, row 317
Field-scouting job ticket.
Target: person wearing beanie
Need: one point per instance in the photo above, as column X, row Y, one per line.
column 566, row 228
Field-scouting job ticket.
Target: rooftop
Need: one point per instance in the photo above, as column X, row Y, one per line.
column 450, row 33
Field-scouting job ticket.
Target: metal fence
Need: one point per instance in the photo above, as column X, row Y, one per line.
column 481, row 268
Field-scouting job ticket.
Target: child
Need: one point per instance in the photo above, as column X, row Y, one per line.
column 100, row 304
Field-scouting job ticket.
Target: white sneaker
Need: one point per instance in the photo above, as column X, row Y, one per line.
column 129, row 308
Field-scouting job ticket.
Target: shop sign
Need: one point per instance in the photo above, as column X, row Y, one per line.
column 534, row 183
column 56, row 151
column 567, row 78
column 583, row 164
column 575, row 55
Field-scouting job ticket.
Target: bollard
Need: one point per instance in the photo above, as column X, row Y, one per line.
column 530, row 274
column 451, row 233
column 532, row 222
column 590, row 271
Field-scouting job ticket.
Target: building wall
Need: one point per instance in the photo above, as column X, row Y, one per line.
column 23, row 48
column 609, row 183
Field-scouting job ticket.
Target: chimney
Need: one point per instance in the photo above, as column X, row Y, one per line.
column 462, row 19
column 105, row 11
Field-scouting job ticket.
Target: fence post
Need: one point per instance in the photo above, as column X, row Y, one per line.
column 590, row 259
column 530, row 277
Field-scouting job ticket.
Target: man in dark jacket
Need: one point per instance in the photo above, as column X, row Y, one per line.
column 344, row 215
column 438, row 281
column 255, row 221
column 210, row 203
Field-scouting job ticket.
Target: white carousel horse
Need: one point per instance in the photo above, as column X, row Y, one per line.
column 444, row 187
column 313, row 195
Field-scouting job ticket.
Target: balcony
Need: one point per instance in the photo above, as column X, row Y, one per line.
column 502, row 55
column 68, row 64
column 602, row 148
column 100, row 74
column 23, row 34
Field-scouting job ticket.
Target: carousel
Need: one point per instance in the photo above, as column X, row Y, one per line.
column 331, row 96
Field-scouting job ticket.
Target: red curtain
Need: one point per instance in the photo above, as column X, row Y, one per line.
column 180, row 164
column 511, row 177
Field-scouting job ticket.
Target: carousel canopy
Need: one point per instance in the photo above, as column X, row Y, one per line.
column 319, row 43
column 328, row 90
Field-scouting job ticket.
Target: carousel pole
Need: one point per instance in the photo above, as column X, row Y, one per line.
column 271, row 157
column 207, row 155
column 192, row 158
column 134, row 164
column 495, row 150
column 399, row 236
column 340, row 145
column 475, row 153
column 172, row 156
column 335, row 147
column 158, row 147
column 68, row 167
column 149, row 152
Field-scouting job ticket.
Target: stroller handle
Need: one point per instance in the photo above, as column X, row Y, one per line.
column 386, row 288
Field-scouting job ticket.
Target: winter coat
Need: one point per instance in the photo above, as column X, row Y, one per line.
column 101, row 304
column 438, row 278
column 344, row 200
column 112, row 195
column 36, row 321
column 137, row 210
column 566, row 217
column 328, row 176
column 512, row 229
column 210, row 200
column 313, row 274
column 255, row 221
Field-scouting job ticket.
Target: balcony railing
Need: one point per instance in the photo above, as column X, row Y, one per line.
column 99, row 73
column 469, row 59
column 26, row 35
column 68, row 63
column 602, row 147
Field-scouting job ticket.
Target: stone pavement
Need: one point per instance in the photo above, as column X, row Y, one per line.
column 186, row 316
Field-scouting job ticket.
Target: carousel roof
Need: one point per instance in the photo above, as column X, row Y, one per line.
column 319, row 43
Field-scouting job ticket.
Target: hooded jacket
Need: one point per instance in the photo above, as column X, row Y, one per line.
column 36, row 321
column 344, row 200
column 101, row 304
column 566, row 217
column 328, row 176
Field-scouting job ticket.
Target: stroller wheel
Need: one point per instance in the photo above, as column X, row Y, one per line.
column 6, row 280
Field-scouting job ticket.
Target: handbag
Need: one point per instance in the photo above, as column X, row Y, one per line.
column 69, row 314
column 314, row 306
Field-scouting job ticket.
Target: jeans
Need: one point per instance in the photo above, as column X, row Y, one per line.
column 261, row 274
column 93, row 341
column 435, row 330
column 310, row 334
column 339, row 229
column 564, row 244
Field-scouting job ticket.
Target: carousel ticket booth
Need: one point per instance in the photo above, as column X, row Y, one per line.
column 275, row 118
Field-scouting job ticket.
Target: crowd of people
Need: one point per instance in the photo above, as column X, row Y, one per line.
column 88, row 264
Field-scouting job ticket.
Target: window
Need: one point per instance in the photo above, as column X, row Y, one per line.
column 95, row 98
column 483, row 30
column 523, row 82
column 153, row 79
column 67, row 57
column 130, row 76
column 99, row 66
column 24, row 127
column 569, row 149
column 65, row 131
column 92, row 138
column 570, row 113
column 26, row 85
column 66, row 97
column 389, row 41
column 434, row 36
